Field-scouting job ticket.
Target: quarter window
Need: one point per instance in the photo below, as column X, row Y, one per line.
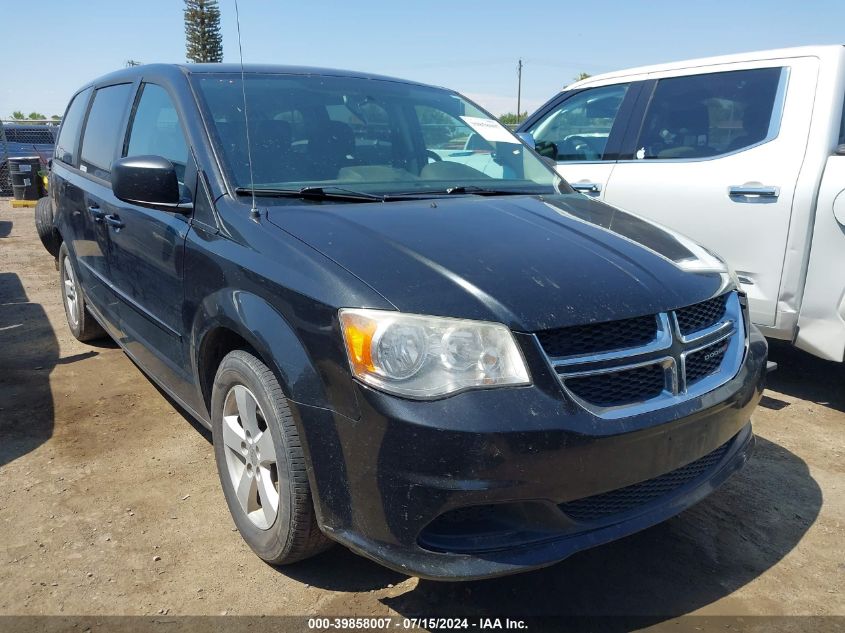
column 68, row 142
column 578, row 129
column 708, row 115
column 156, row 130
column 103, row 130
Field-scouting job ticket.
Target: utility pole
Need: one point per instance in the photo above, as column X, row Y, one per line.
column 518, row 90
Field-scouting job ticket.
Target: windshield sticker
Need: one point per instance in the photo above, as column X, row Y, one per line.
column 489, row 129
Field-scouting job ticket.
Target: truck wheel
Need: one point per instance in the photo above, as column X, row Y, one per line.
column 50, row 237
column 82, row 325
column 261, row 463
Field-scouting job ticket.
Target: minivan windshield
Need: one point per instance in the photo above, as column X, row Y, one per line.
column 374, row 137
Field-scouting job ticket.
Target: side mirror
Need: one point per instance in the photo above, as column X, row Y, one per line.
column 547, row 149
column 527, row 138
column 148, row 181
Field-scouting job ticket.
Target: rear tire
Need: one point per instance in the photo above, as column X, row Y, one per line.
column 261, row 463
column 82, row 325
column 48, row 234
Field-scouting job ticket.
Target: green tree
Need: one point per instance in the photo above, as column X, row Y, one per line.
column 18, row 115
column 437, row 127
column 203, row 40
column 582, row 75
column 512, row 119
column 36, row 116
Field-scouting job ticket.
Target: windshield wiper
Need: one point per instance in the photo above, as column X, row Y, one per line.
column 484, row 191
column 462, row 189
column 327, row 192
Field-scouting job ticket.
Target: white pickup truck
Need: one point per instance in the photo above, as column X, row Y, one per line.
column 744, row 153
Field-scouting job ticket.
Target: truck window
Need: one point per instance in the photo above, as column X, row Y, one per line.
column 709, row 115
column 68, row 141
column 578, row 128
column 103, row 129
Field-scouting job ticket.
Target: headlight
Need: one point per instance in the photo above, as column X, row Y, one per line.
column 428, row 357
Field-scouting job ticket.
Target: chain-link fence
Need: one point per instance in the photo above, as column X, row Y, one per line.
column 25, row 138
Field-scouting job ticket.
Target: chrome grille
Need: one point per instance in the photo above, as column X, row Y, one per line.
column 619, row 387
column 598, row 337
column 690, row 351
column 704, row 362
column 701, row 315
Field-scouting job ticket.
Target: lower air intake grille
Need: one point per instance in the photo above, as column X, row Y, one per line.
column 626, row 499
column 619, row 387
column 594, row 338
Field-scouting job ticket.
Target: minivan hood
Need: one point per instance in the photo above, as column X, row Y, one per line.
column 530, row 262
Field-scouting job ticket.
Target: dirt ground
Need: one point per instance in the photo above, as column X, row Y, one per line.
column 110, row 503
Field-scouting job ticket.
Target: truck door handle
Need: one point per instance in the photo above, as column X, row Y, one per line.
column 96, row 213
column 760, row 192
column 113, row 220
column 589, row 187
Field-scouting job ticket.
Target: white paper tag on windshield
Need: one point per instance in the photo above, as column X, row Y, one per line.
column 489, row 129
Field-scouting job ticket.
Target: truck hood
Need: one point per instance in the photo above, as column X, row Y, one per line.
column 530, row 262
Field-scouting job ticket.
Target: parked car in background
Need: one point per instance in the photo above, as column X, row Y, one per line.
column 457, row 371
column 743, row 153
column 17, row 139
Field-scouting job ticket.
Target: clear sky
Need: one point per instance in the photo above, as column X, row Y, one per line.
column 471, row 46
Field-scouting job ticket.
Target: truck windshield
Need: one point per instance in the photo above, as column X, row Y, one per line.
column 371, row 136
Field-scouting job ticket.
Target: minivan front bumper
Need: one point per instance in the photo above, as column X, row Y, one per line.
column 493, row 482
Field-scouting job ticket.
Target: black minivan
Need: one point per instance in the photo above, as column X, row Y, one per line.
column 405, row 331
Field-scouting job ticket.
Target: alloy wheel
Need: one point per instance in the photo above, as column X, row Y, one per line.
column 70, row 292
column 250, row 457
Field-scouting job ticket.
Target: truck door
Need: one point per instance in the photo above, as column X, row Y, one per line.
column 717, row 158
column 821, row 323
column 579, row 130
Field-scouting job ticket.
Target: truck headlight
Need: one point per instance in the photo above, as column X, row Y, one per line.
column 427, row 357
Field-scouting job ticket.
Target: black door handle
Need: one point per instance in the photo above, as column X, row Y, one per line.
column 96, row 213
column 113, row 220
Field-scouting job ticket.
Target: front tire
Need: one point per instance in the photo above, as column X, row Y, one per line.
column 82, row 325
column 261, row 463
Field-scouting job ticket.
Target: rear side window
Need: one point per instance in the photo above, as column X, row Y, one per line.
column 155, row 129
column 708, row 115
column 67, row 144
column 578, row 128
column 102, row 134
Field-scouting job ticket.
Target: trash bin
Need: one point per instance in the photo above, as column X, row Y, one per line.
column 26, row 183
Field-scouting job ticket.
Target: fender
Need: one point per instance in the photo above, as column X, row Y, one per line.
column 324, row 385
column 318, row 411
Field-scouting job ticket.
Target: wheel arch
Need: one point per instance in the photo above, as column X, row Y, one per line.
column 232, row 319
